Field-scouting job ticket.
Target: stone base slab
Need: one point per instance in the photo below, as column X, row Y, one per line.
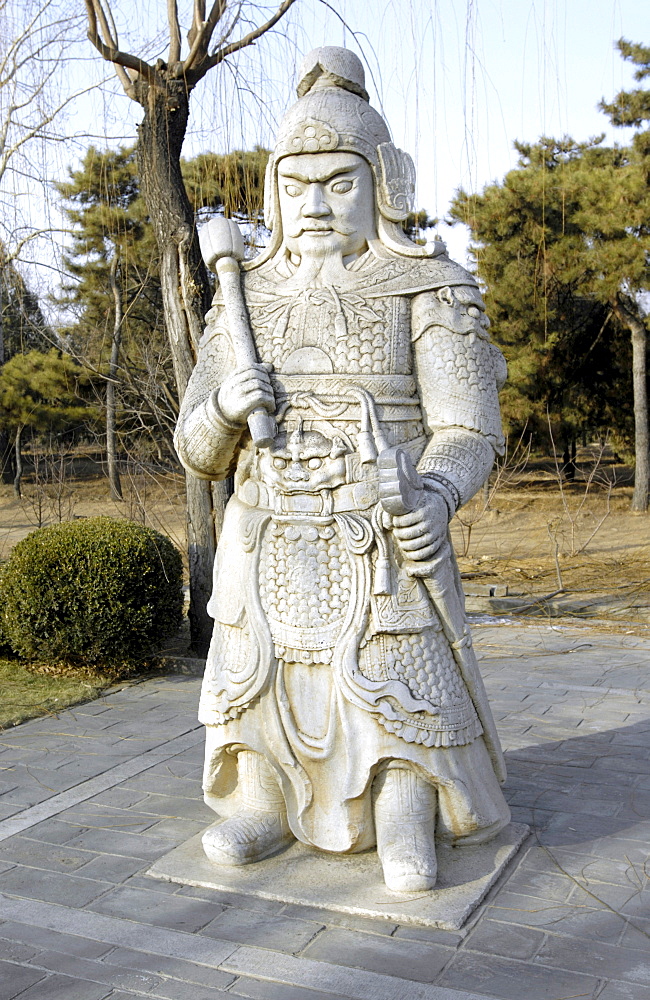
column 353, row 883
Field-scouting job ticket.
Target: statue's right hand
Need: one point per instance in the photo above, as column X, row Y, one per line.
column 247, row 390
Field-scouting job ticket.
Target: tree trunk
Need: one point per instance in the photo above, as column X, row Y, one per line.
column 18, row 451
column 7, row 464
column 626, row 314
column 111, row 450
column 186, row 298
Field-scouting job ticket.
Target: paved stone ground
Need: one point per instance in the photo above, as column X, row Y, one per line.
column 90, row 798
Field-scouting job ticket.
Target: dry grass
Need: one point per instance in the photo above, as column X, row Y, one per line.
column 27, row 694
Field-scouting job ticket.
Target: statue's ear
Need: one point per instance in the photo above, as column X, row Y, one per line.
column 269, row 194
column 446, row 295
column 396, row 187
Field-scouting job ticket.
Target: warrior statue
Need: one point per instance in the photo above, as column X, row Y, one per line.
column 342, row 700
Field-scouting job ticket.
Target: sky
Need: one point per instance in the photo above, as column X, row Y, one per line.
column 458, row 81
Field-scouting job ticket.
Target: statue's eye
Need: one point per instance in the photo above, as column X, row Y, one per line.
column 315, row 463
column 279, row 463
column 474, row 312
column 341, row 187
column 292, row 190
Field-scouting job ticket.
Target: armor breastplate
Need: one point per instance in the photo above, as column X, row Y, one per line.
column 339, row 359
column 323, row 331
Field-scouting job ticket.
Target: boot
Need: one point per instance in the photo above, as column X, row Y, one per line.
column 261, row 826
column 405, row 813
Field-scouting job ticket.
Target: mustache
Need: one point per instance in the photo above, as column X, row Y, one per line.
column 322, row 227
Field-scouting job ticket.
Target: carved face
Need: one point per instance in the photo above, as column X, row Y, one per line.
column 303, row 463
column 327, row 204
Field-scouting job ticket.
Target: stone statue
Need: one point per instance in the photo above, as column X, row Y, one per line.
column 342, row 700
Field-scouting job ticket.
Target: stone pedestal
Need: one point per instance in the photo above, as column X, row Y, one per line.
column 352, row 883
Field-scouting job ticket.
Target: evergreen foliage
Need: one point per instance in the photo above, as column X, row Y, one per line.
column 552, row 250
column 94, row 592
column 43, row 391
column 563, row 245
column 106, row 207
column 22, row 324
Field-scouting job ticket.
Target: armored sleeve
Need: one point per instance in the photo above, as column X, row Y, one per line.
column 206, row 442
column 459, row 375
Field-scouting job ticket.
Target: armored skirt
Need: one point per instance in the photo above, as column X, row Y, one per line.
column 304, row 670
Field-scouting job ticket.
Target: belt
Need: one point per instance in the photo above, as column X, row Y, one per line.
column 341, row 499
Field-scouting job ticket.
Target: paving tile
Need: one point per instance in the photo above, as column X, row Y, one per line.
column 430, row 935
column 111, row 867
column 132, row 845
column 97, row 972
column 118, row 931
column 257, row 963
column 90, row 816
column 623, row 991
column 173, row 990
column 263, row 930
column 179, row 807
column 400, row 958
column 57, row 858
column 507, row 980
column 63, row 988
column 49, row 940
column 636, row 934
column 495, row 938
column 549, row 885
column 120, row 798
column 152, row 884
column 259, row 989
column 53, row 887
column 235, row 899
column 177, row 830
column 52, row 831
column 16, row 951
column 333, row 919
column 15, row 978
column 532, row 911
column 596, row 958
column 174, row 968
column 156, row 908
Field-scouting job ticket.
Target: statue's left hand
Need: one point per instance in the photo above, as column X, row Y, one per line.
column 421, row 532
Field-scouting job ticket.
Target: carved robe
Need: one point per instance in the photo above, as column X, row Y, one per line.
column 327, row 656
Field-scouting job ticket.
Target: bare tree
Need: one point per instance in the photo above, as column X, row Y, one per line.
column 163, row 91
column 111, row 447
column 34, row 38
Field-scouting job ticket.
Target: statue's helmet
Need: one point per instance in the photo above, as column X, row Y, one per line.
column 332, row 115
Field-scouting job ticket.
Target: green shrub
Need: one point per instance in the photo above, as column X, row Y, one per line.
column 93, row 592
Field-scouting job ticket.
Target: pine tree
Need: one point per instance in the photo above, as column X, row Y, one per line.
column 629, row 220
column 41, row 391
column 567, row 354
column 117, row 292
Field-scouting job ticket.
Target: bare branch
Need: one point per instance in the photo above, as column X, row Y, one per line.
column 121, row 60
column 204, row 34
column 248, row 39
column 174, row 32
column 6, row 152
column 11, row 255
column 198, row 17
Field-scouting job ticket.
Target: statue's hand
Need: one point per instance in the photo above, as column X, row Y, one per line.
column 245, row 391
column 421, row 532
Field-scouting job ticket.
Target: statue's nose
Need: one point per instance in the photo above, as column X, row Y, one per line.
column 297, row 472
column 315, row 205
